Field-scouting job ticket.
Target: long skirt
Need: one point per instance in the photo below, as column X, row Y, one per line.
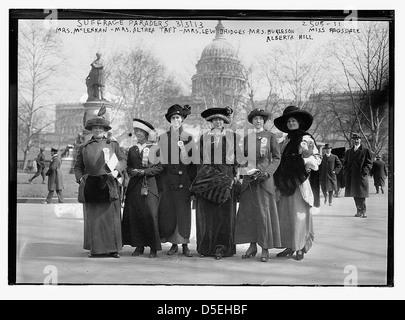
column 257, row 220
column 102, row 227
column 140, row 220
column 296, row 225
column 175, row 216
column 215, row 227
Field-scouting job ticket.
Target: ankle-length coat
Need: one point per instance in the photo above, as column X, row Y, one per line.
column 174, row 183
column 102, row 219
column 140, row 219
column 257, row 219
column 357, row 166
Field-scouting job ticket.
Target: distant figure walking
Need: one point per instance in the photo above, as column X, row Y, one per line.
column 55, row 181
column 330, row 167
column 40, row 161
column 379, row 172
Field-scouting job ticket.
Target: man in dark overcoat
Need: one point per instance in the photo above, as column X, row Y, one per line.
column 40, row 160
column 55, row 181
column 357, row 164
column 330, row 167
column 379, row 172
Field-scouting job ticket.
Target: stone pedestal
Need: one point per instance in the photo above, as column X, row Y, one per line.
column 91, row 109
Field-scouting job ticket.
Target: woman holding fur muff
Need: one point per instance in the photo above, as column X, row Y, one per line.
column 99, row 163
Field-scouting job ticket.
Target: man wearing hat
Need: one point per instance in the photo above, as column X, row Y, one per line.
column 358, row 163
column 55, row 181
column 98, row 164
column 379, row 172
column 330, row 167
column 40, row 160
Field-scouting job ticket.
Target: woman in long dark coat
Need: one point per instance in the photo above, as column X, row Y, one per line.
column 175, row 180
column 216, row 222
column 330, row 168
column 140, row 227
column 299, row 159
column 102, row 207
column 257, row 220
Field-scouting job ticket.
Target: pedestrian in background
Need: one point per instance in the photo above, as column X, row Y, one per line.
column 341, row 174
column 140, row 226
column 55, row 180
column 379, row 172
column 329, row 169
column 357, row 165
column 40, row 161
column 257, row 220
column 175, row 180
column 99, row 163
column 300, row 160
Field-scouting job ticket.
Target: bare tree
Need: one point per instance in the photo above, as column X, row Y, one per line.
column 142, row 85
column 292, row 73
column 362, row 72
column 38, row 62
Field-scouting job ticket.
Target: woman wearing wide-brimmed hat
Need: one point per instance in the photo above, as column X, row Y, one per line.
column 300, row 159
column 216, row 220
column 257, row 220
column 176, row 148
column 98, row 164
column 140, row 227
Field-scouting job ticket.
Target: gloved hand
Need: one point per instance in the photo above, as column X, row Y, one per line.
column 259, row 176
column 138, row 172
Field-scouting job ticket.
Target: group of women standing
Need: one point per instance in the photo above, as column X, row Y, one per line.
column 271, row 184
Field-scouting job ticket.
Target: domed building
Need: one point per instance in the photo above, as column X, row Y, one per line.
column 220, row 80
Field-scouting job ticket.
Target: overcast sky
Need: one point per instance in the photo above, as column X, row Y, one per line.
column 179, row 43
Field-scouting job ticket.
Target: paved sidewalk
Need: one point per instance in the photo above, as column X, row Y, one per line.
column 346, row 249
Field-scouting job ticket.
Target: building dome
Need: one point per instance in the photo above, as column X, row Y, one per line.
column 219, row 47
column 220, row 80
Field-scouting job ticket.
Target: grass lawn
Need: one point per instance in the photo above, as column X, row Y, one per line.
column 39, row 190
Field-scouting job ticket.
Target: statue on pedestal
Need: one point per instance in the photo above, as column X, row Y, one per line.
column 95, row 81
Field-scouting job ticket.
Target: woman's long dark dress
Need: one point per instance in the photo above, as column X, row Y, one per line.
column 140, row 218
column 216, row 223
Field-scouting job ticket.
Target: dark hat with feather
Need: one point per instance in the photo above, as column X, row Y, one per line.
column 259, row 112
column 222, row 113
column 177, row 109
column 99, row 121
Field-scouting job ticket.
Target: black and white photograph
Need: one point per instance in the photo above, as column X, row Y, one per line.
column 201, row 148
